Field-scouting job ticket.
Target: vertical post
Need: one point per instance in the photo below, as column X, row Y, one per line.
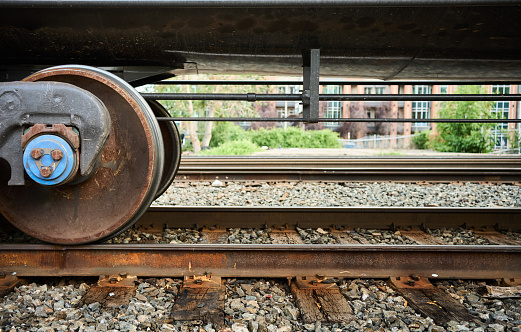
column 310, row 93
column 435, row 106
column 407, row 114
column 394, row 114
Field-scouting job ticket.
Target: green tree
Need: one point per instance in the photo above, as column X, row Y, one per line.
column 465, row 137
column 212, row 108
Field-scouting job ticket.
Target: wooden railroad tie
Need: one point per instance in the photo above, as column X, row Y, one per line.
column 319, row 299
column 496, row 237
column 419, row 236
column 111, row 291
column 200, row 298
column 347, row 236
column 214, row 235
column 285, row 236
column 430, row 301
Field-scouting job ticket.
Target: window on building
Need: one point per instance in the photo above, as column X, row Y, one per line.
column 502, row 111
column 421, row 109
column 379, row 90
column 333, row 108
column 444, row 89
column 368, row 90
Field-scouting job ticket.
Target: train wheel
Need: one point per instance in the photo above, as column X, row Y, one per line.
column 121, row 189
column 172, row 144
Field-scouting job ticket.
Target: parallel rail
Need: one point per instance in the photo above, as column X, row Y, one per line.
column 403, row 169
column 283, row 261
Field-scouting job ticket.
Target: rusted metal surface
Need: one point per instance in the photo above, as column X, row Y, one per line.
column 61, row 129
column 8, row 283
column 171, row 147
column 330, row 217
column 120, row 190
column 314, row 282
column 256, row 261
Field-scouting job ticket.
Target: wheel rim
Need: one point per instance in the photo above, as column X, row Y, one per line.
column 120, row 190
column 172, row 147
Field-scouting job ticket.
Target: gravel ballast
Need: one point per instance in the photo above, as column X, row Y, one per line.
column 250, row 305
column 342, row 194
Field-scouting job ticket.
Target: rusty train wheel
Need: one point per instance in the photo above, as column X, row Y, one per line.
column 172, row 146
column 121, row 189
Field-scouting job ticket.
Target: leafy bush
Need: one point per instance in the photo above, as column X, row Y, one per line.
column 294, row 137
column 421, row 140
column 465, row 137
column 233, row 148
column 223, row 132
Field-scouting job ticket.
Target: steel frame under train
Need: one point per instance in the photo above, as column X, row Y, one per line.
column 82, row 153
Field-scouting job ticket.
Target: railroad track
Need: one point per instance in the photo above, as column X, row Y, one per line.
column 314, row 271
column 288, row 256
column 403, row 169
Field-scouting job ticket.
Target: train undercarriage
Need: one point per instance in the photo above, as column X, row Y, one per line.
column 82, row 155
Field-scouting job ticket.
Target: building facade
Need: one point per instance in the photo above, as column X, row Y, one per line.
column 398, row 110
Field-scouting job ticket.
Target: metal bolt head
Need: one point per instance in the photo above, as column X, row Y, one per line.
column 57, row 154
column 36, row 153
column 46, row 171
column 113, row 280
column 411, row 282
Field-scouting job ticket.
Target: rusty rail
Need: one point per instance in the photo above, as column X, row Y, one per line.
column 256, row 261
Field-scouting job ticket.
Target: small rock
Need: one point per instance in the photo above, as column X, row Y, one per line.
column 239, row 327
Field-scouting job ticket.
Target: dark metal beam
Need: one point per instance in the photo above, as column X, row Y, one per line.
column 331, row 97
column 310, row 91
column 246, row 3
column 334, row 82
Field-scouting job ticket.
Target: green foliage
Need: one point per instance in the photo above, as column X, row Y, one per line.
column 223, row 132
column 421, row 140
column 233, row 148
column 465, row 137
column 294, row 137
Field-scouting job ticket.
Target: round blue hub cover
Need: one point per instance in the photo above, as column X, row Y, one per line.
column 61, row 169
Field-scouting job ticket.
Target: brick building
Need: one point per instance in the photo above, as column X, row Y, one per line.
column 399, row 110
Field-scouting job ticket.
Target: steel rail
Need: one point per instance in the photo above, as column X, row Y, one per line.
column 262, row 261
column 350, row 169
column 328, row 217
